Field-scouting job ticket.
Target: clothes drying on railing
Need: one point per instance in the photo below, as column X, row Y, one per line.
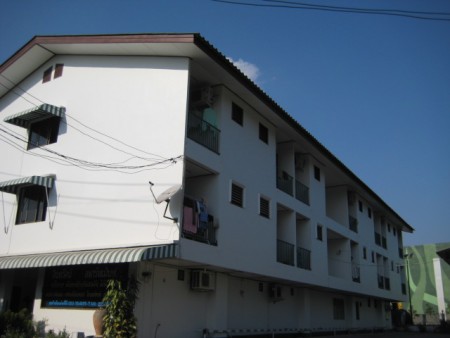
column 195, row 215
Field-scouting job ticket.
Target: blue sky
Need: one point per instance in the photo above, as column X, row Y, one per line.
column 375, row 90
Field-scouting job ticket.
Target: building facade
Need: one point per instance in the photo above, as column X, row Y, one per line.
column 428, row 278
column 153, row 156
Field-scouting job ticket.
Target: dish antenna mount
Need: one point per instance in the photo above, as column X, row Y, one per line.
column 165, row 196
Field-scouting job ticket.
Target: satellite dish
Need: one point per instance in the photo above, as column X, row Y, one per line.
column 167, row 194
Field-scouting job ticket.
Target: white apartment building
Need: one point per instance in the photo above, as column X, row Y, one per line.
column 153, row 156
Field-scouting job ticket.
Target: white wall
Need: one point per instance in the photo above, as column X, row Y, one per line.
column 138, row 100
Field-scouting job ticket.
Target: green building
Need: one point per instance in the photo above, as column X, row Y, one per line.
column 429, row 283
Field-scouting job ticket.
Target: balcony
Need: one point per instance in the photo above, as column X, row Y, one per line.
column 285, row 183
column 380, row 282
column 383, row 242
column 353, row 224
column 301, row 192
column 195, row 226
column 285, row 252
column 203, row 133
column 303, row 258
column 356, row 273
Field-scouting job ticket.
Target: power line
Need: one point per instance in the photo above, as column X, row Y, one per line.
column 299, row 5
column 81, row 123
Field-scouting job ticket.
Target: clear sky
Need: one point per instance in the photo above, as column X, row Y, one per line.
column 374, row 89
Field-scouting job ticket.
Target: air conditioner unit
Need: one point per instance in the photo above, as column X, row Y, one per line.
column 202, row 97
column 202, row 280
column 275, row 294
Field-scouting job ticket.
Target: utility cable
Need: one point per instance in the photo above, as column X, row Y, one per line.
column 293, row 5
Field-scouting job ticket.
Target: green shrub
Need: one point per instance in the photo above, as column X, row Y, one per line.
column 17, row 324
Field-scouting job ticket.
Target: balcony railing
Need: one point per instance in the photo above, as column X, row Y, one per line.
column 196, row 231
column 383, row 242
column 301, row 192
column 285, row 252
column 203, row 133
column 353, row 223
column 303, row 258
column 285, row 183
column 380, row 282
column 356, row 273
column 377, row 239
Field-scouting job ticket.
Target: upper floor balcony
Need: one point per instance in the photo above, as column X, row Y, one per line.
column 293, row 187
column 197, row 223
column 202, row 132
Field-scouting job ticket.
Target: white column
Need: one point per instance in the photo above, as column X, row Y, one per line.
column 439, row 287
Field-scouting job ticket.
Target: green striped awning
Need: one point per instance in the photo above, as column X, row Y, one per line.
column 104, row 256
column 39, row 113
column 13, row 186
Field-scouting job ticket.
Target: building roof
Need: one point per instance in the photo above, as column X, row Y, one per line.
column 204, row 57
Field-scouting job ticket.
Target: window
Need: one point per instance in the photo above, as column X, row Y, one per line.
column 264, row 207
column 369, row 212
column 58, row 70
column 394, row 230
column 357, row 305
column 237, row 195
column 373, row 257
column 360, row 206
column 41, row 122
column 263, row 133
column 32, row 205
column 317, row 173
column 389, row 227
column 392, row 265
column 47, row 75
column 338, row 309
column 43, row 132
column 237, row 114
column 364, row 253
column 319, row 232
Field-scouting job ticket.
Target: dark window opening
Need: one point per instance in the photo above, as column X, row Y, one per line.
column 317, row 173
column 237, row 114
column 47, row 75
column 58, row 70
column 43, row 132
column 32, row 205
column 237, row 195
column 263, row 133
column 264, row 207
column 319, row 232
column 369, row 212
column 360, row 206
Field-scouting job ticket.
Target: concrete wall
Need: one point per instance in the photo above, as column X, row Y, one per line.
column 138, row 100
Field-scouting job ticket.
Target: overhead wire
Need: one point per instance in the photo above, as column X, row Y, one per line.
column 300, row 5
column 84, row 125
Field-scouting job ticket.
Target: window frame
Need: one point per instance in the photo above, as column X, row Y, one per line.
column 233, row 191
column 263, row 133
column 237, row 114
column 261, row 210
column 38, row 195
column 317, row 173
column 46, row 131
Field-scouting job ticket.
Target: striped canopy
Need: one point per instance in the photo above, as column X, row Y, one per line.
column 13, row 186
column 39, row 113
column 116, row 255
